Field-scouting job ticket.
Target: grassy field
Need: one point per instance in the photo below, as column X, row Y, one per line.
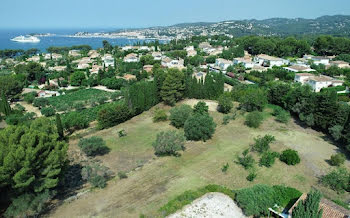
column 163, row 178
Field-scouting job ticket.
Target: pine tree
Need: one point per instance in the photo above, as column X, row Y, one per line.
column 59, row 126
column 310, row 207
column 173, row 87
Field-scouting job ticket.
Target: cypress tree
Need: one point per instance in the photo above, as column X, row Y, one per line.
column 309, row 207
column 59, row 126
column 5, row 106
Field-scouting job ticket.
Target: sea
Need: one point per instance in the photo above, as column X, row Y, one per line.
column 60, row 39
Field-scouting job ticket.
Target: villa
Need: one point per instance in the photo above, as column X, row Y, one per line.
column 157, row 56
column 340, row 64
column 74, row 53
column 131, row 58
column 317, row 82
column 223, row 64
column 299, row 68
column 35, row 58
column 191, row 53
column 320, row 60
column 108, row 60
column 247, row 62
column 148, row 68
column 269, row 61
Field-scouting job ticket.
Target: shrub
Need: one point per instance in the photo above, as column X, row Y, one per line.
column 115, row 95
column 48, row 111
column 226, row 119
column 336, row 132
column 262, row 144
column 28, row 205
column 254, row 119
column 160, row 115
column 79, row 106
column 111, row 115
column 225, row 103
column 93, row 146
column 122, row 175
column 122, row 133
column 19, row 108
column 251, row 176
column 40, row 102
column 282, row 116
column 337, row 180
column 290, row 157
column 96, row 175
column 268, row 159
column 29, row 97
column 337, row 159
column 225, row 168
column 169, row 143
column 201, row 108
column 256, row 200
column 247, row 160
column 179, row 115
column 199, row 127
column 309, row 207
column 102, row 99
column 285, row 195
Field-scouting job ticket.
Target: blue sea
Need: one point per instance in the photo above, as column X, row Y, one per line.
column 60, row 39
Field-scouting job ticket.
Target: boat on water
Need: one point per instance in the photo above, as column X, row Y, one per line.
column 30, row 39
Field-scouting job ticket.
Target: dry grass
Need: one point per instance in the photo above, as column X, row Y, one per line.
column 161, row 179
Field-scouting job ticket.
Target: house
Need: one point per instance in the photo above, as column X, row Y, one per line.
column 157, row 56
column 223, row 64
column 189, row 48
column 131, row 58
column 320, row 60
column 93, row 54
column 247, row 63
column 269, row 61
column 191, row 53
column 299, row 68
column 340, row 64
column 204, row 45
column 47, row 94
column 144, row 48
column 35, row 58
column 52, row 56
column 74, row 53
column 129, row 77
column 58, row 68
column 82, row 66
column 329, row 208
column 317, row 82
column 127, row 48
column 170, row 63
column 148, row 68
column 108, row 60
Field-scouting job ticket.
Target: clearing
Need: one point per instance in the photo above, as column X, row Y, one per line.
column 152, row 181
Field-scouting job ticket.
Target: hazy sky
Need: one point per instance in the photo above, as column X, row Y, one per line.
column 144, row 13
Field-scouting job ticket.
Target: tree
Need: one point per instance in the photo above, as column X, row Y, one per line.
column 225, row 103
column 199, row 127
column 254, row 119
column 10, row 85
column 160, row 115
column 77, row 78
column 59, row 126
column 253, row 99
column 337, row 180
column 74, row 121
column 40, row 102
column 169, row 143
column 93, row 146
column 337, row 159
column 111, row 115
column 201, row 108
column 147, row 60
column 179, row 115
column 4, row 105
column 48, row 111
column 32, row 157
column 262, row 144
column 173, row 87
column 310, row 207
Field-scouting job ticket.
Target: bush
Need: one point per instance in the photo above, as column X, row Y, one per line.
column 79, row 106
column 28, row 205
column 226, row 119
column 251, row 176
column 336, row 132
column 29, row 97
column 201, row 108
column 93, row 146
column 189, row 196
column 199, row 127
column 48, row 111
column 247, row 160
column 290, row 157
column 179, row 115
column 256, row 200
column 102, row 99
column 40, row 102
column 160, row 115
column 268, row 159
column 122, row 175
column 19, row 108
column 254, row 119
column 337, row 159
column 225, row 103
column 262, row 144
column 338, row 180
column 282, row 116
column 96, row 175
column 225, row 168
column 169, row 143
column 111, row 115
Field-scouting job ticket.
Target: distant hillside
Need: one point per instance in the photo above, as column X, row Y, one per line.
column 338, row 25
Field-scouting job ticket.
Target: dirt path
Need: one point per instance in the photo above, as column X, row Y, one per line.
column 30, row 108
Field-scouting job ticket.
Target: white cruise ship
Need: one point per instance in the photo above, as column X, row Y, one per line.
column 31, row 39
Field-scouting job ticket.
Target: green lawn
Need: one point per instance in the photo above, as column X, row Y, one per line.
column 163, row 178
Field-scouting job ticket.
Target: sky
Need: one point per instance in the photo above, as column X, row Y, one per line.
column 147, row 13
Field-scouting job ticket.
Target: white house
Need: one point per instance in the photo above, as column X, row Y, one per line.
column 223, row 64
column 168, row 62
column 131, row 58
column 269, row 61
column 247, row 63
column 317, row 82
column 189, row 48
column 74, row 53
column 340, row 64
column 299, row 68
column 320, row 60
column 191, row 53
column 35, row 58
column 157, row 55
column 108, row 60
